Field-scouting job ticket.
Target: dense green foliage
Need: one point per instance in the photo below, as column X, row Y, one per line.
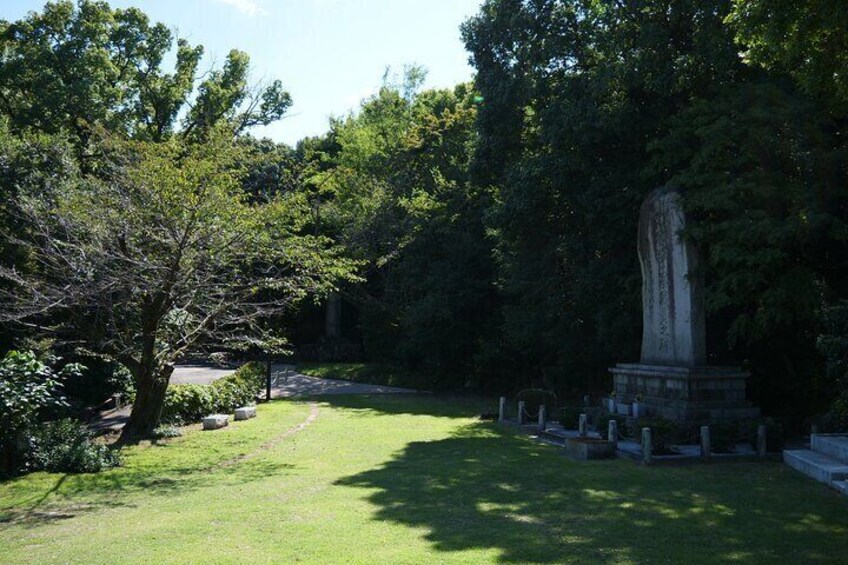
column 536, row 397
column 29, row 390
column 67, row 446
column 394, row 189
column 188, row 403
column 588, row 106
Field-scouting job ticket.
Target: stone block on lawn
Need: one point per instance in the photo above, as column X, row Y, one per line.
column 245, row 413
column 215, row 421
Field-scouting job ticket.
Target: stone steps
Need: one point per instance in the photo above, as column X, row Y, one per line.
column 826, row 460
column 834, row 445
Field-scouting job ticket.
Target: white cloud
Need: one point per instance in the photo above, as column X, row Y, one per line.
column 249, row 7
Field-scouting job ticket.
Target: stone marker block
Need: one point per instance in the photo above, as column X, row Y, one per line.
column 612, row 433
column 646, row 446
column 542, row 418
column 706, row 446
column 215, row 421
column 583, row 425
column 521, row 411
column 245, row 413
column 502, row 409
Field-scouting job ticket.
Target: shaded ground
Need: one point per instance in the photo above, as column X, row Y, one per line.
column 411, row 479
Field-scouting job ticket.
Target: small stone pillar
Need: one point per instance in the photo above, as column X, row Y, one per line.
column 542, row 418
column 706, row 448
column 333, row 317
column 762, row 446
column 521, row 405
column 583, row 425
column 116, row 401
column 612, row 433
column 646, row 446
column 502, row 409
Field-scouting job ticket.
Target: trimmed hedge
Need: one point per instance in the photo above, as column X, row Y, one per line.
column 535, row 397
column 663, row 433
column 569, row 417
column 189, row 403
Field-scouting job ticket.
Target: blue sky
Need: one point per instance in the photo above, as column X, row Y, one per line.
column 329, row 53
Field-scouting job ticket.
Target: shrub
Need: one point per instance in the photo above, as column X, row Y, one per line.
column 535, row 397
column 167, row 432
column 28, row 389
column 569, row 417
column 603, row 423
column 663, row 433
column 190, row 403
column 774, row 433
column 67, row 446
column 724, row 436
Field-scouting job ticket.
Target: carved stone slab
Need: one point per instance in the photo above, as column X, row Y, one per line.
column 672, row 295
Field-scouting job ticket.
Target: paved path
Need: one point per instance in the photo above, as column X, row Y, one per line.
column 297, row 384
column 287, row 384
column 198, row 374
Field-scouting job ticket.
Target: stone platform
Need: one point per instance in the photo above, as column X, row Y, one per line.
column 826, row 460
column 696, row 395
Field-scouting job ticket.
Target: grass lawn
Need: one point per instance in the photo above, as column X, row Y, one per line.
column 410, row 479
column 366, row 373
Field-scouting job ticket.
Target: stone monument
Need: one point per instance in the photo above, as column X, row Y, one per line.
column 673, row 379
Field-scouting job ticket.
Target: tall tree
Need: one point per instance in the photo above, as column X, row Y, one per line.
column 161, row 254
column 73, row 68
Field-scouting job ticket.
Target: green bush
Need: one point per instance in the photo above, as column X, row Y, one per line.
column 535, row 397
column 67, row 446
column 190, row 403
column 774, row 433
column 167, row 432
column 603, row 423
column 663, row 433
column 29, row 390
column 724, row 436
column 569, row 417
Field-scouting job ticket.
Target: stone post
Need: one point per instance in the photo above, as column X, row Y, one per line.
column 583, row 425
column 116, row 400
column 521, row 412
column 706, row 448
column 333, row 317
column 612, row 433
column 646, row 446
column 542, row 418
column 761, row 440
column 502, row 409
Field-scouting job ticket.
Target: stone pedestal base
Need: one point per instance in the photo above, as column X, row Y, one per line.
column 696, row 395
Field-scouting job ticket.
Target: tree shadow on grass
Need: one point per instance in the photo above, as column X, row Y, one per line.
column 75, row 494
column 488, row 488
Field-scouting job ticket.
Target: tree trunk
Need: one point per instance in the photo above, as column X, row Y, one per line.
column 149, row 401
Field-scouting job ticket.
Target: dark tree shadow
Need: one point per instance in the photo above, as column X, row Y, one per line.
column 489, row 488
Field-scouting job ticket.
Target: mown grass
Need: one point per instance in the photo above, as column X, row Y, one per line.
column 411, row 479
column 367, row 373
